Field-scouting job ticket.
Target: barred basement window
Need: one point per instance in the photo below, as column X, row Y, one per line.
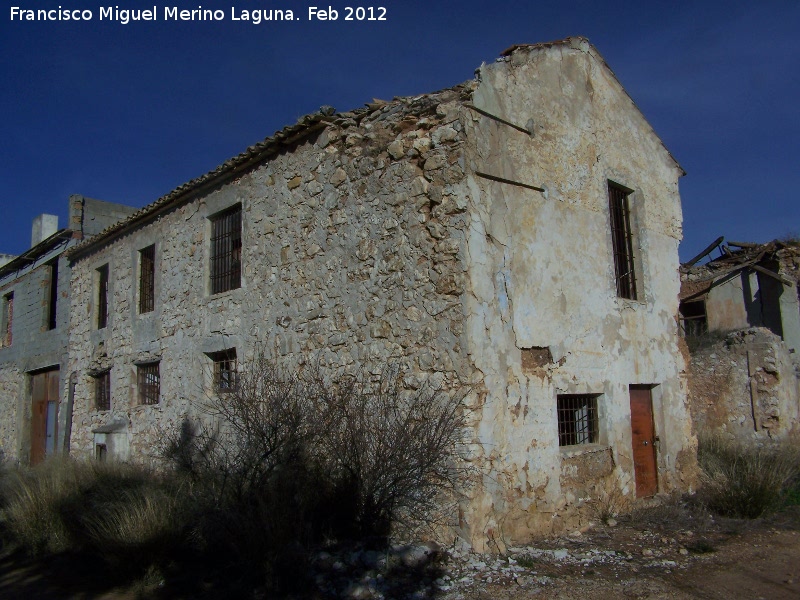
column 226, row 376
column 8, row 318
column 577, row 419
column 622, row 241
column 102, row 297
column 102, row 390
column 226, row 250
column 147, row 279
column 148, row 382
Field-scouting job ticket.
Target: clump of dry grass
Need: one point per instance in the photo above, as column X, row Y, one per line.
column 746, row 481
column 118, row 511
column 32, row 504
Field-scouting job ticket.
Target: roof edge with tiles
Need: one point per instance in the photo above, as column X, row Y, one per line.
column 230, row 168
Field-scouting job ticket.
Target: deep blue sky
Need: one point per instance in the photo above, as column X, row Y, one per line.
column 128, row 112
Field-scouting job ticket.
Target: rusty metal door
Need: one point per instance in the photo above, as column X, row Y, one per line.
column 44, row 414
column 643, row 439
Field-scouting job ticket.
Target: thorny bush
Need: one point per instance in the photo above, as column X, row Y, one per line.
column 292, row 457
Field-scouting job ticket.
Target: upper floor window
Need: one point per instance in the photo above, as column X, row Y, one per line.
column 7, row 319
column 622, row 241
column 102, row 390
column 147, row 279
column 148, row 383
column 226, row 250
column 102, row 297
column 52, row 300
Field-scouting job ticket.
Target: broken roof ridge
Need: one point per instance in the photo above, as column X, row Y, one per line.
column 252, row 155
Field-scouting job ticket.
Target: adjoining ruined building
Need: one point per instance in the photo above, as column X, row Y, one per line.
column 740, row 313
column 748, row 285
column 517, row 234
column 35, row 412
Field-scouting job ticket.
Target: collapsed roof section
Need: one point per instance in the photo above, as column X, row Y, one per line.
column 778, row 259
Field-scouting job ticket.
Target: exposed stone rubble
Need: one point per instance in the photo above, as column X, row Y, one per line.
column 745, row 385
column 428, row 571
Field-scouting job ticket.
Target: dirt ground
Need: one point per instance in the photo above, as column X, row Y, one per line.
column 666, row 554
column 722, row 559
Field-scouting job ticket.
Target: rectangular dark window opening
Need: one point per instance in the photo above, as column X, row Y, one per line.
column 147, row 279
column 8, row 318
column 693, row 319
column 577, row 419
column 102, row 390
column 226, row 375
column 622, row 241
column 52, row 303
column 226, row 250
column 148, row 381
column 100, row 452
column 102, row 297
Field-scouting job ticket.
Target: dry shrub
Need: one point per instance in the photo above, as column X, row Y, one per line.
column 609, row 501
column 745, row 481
column 289, row 459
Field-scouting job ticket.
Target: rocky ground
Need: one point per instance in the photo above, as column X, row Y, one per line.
column 667, row 552
column 664, row 552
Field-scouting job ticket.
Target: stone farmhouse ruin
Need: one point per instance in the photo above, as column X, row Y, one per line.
column 740, row 311
column 517, row 234
column 35, row 398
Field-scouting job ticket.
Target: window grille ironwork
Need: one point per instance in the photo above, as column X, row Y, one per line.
column 102, row 297
column 102, row 391
column 147, row 279
column 8, row 318
column 622, row 241
column 226, row 375
column 148, row 383
column 577, row 419
column 226, row 250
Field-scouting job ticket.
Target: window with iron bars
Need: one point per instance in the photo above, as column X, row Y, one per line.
column 102, row 390
column 8, row 318
column 102, row 297
column 148, row 380
column 226, row 250
column 147, row 279
column 226, row 375
column 622, row 241
column 577, row 419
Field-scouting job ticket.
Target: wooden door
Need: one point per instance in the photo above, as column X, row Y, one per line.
column 44, row 414
column 643, row 439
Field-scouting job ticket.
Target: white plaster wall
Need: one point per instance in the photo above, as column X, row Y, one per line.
column 541, row 274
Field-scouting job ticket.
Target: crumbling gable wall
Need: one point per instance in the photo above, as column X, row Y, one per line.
column 541, row 276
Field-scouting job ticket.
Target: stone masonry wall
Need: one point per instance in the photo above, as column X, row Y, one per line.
column 377, row 241
column 352, row 254
column 745, row 386
column 33, row 347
